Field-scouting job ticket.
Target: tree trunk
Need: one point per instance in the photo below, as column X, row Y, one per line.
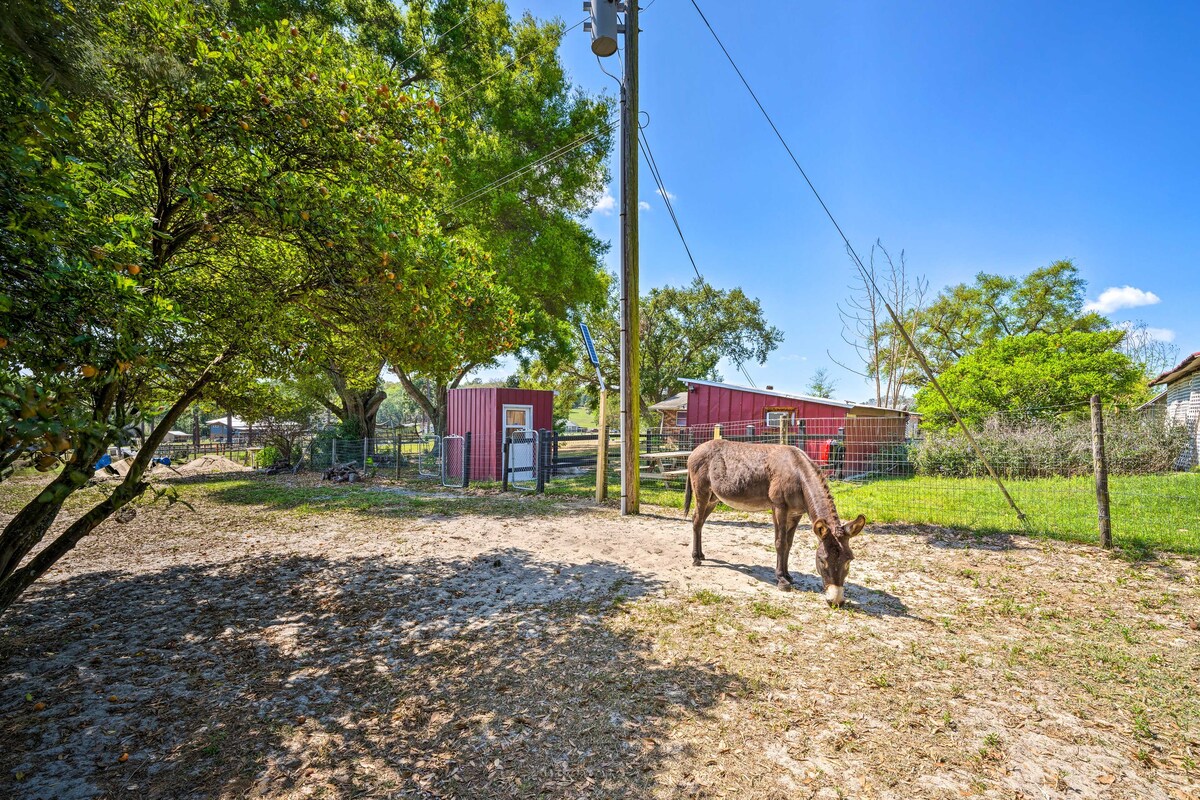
column 436, row 407
column 30, row 525
column 359, row 408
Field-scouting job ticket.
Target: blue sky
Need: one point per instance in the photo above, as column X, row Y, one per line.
column 974, row 136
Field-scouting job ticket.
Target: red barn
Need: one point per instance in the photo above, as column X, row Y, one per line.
column 810, row 422
column 490, row 413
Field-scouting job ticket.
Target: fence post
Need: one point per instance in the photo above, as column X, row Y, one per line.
column 504, row 448
column 717, row 431
column 333, row 452
column 397, row 454
column 541, row 461
column 1101, row 468
column 466, row 459
column 554, row 455
column 602, row 450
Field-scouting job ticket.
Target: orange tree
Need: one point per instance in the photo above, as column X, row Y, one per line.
column 510, row 104
column 182, row 217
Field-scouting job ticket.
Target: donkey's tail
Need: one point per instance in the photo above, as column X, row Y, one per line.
column 687, row 495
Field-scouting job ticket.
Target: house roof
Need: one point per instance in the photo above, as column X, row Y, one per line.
column 237, row 422
column 1184, row 368
column 846, row 404
column 676, row 402
column 1158, row 398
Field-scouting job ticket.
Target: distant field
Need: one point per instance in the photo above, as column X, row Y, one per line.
column 584, row 418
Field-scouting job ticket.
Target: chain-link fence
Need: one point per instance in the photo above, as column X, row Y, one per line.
column 521, row 461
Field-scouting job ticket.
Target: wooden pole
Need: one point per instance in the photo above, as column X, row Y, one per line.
column 1101, row 473
column 602, row 450
column 630, row 344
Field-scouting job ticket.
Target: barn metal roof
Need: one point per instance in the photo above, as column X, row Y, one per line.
column 846, row 404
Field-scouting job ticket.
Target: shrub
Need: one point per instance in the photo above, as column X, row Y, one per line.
column 268, row 456
column 1134, row 444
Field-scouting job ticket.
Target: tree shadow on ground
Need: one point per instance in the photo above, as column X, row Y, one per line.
column 498, row 676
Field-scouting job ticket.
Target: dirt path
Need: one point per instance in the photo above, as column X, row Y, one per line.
column 275, row 645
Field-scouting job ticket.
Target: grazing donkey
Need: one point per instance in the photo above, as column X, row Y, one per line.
column 757, row 477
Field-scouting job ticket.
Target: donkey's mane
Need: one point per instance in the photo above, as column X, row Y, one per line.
column 817, row 486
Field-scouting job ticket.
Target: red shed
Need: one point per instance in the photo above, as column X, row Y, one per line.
column 745, row 412
column 488, row 413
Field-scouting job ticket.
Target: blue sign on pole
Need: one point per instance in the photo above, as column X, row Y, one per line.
column 587, row 342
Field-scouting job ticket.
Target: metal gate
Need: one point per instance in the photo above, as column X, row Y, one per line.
column 452, row 460
column 522, row 464
column 429, row 456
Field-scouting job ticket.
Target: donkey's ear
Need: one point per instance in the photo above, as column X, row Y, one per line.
column 855, row 528
column 820, row 528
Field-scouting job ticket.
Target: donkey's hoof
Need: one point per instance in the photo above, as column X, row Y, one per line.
column 697, row 562
column 785, row 586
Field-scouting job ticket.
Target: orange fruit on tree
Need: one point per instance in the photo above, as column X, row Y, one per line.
column 134, row 269
column 89, row 371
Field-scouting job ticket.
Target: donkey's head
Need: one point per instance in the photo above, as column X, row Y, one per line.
column 834, row 555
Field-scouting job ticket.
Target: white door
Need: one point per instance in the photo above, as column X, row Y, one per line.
column 518, row 422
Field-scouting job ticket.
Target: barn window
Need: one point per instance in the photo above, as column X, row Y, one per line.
column 778, row 419
column 681, row 419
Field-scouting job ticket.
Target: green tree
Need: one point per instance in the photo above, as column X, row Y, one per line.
column 1035, row 374
column 685, row 332
column 964, row 317
column 176, row 228
column 821, row 384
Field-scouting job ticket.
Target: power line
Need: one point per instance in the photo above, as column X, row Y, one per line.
column 534, row 51
column 644, row 143
column 863, row 270
column 557, row 153
column 437, row 37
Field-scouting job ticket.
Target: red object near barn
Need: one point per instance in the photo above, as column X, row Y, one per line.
column 840, row 435
column 491, row 413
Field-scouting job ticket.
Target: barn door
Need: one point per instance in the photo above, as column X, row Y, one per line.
column 518, row 428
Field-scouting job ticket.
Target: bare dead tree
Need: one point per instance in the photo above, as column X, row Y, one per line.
column 868, row 328
column 1146, row 349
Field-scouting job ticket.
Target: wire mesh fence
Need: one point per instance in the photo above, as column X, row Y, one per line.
column 453, row 460
column 882, row 466
column 521, row 462
column 888, row 469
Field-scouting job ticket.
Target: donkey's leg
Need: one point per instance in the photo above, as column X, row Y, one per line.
column 789, row 536
column 705, row 503
column 782, row 579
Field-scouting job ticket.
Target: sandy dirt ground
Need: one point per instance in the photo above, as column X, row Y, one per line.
column 264, row 644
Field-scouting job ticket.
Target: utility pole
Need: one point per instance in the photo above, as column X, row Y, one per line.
column 604, row 29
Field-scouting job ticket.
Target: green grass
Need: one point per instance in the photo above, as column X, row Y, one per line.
column 1149, row 512
column 584, row 418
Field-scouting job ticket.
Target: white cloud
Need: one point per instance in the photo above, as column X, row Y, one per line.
column 1161, row 334
column 670, row 195
column 643, row 205
column 1154, row 334
column 606, row 204
column 1116, row 297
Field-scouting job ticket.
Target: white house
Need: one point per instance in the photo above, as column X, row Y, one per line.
column 1183, row 402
